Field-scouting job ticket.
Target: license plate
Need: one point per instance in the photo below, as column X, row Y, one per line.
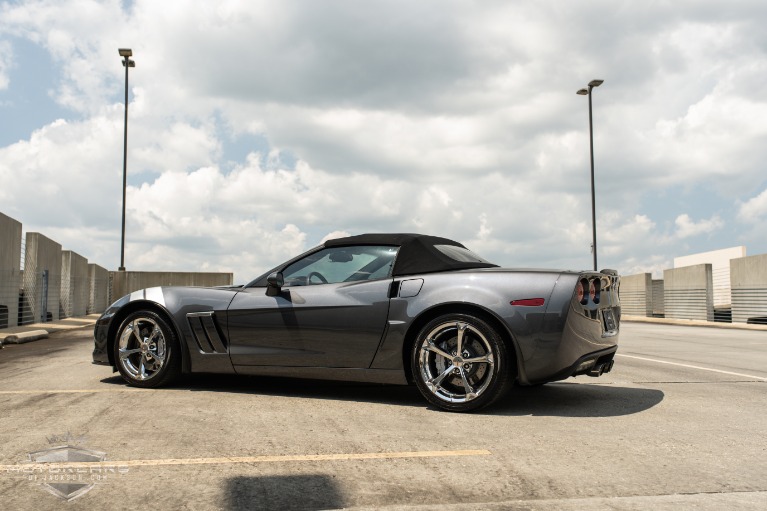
column 609, row 320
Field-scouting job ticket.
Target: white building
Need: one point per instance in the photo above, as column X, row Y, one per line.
column 720, row 269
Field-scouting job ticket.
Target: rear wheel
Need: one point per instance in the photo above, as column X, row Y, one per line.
column 146, row 350
column 460, row 363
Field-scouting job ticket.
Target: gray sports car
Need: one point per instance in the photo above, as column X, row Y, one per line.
column 388, row 308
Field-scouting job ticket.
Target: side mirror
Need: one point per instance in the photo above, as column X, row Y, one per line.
column 274, row 283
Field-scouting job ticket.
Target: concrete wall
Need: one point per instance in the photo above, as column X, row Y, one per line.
column 688, row 293
column 658, row 302
column 720, row 269
column 10, row 270
column 42, row 254
column 124, row 282
column 56, row 284
column 98, row 289
column 748, row 279
column 636, row 295
column 74, row 285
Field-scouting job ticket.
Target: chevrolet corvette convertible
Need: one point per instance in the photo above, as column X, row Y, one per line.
column 387, row 308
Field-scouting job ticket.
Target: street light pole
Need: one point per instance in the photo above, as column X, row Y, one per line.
column 125, row 53
column 588, row 92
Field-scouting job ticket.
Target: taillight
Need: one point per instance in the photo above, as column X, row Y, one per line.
column 580, row 291
column 588, row 289
column 594, row 289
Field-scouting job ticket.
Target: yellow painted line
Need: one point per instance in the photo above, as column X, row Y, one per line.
column 245, row 459
column 751, row 376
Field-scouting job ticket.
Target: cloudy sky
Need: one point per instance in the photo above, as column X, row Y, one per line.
column 259, row 128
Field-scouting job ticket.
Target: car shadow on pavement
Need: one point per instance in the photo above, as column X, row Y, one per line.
column 559, row 399
column 294, row 387
column 564, row 399
column 303, row 492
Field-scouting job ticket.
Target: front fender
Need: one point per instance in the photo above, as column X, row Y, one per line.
column 105, row 330
column 176, row 304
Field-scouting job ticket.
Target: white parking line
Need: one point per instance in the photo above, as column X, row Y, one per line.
column 245, row 459
column 73, row 391
column 751, row 376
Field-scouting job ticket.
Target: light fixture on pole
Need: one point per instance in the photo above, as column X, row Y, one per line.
column 587, row 92
column 125, row 53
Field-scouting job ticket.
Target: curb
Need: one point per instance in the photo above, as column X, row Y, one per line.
column 23, row 337
column 691, row 322
column 37, row 331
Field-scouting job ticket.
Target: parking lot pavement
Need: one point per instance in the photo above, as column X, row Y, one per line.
column 678, row 424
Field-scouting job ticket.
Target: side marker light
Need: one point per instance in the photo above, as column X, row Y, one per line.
column 529, row 302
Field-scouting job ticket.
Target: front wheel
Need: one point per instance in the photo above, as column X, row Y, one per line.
column 146, row 350
column 460, row 363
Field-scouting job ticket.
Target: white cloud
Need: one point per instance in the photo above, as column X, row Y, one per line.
column 74, row 165
column 179, row 147
column 754, row 209
column 686, row 227
column 444, row 117
column 655, row 265
column 335, row 235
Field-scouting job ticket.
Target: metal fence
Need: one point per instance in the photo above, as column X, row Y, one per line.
column 10, row 287
column 99, row 294
column 25, row 298
column 75, row 293
column 41, row 297
column 10, row 282
column 23, row 251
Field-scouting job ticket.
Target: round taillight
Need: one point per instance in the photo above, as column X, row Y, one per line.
column 594, row 288
column 580, row 291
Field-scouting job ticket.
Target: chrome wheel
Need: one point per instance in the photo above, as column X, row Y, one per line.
column 146, row 350
column 142, row 348
column 459, row 363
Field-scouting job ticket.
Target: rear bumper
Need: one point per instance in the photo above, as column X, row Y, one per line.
column 587, row 345
column 593, row 364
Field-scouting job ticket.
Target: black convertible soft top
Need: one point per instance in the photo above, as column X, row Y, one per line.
column 418, row 253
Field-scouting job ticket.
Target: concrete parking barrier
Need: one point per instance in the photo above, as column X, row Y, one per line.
column 22, row 337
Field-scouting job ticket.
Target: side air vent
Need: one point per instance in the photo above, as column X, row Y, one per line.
column 207, row 332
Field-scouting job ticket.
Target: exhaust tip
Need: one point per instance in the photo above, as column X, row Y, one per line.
column 597, row 371
column 600, row 369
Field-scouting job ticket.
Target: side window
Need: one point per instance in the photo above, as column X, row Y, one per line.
column 341, row 264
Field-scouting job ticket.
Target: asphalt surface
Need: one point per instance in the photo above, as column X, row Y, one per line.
column 679, row 424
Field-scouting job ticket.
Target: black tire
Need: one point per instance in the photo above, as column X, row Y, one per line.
column 146, row 350
column 442, row 375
